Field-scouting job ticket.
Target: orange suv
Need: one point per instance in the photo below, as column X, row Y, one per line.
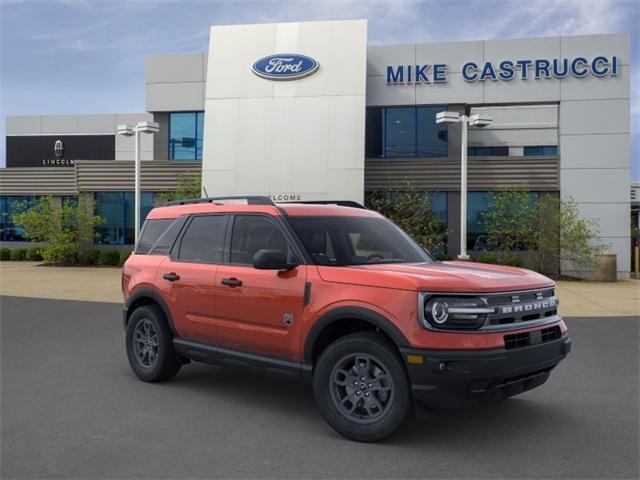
column 337, row 295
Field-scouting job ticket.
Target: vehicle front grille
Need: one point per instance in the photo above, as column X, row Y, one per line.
column 513, row 308
column 535, row 337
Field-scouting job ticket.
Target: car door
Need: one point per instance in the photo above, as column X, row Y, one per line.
column 188, row 277
column 259, row 310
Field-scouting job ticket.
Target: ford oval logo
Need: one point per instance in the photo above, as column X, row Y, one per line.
column 284, row 66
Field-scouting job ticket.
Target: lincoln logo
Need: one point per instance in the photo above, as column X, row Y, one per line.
column 284, row 66
column 58, row 148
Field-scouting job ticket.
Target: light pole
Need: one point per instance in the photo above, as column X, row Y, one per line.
column 478, row 120
column 127, row 131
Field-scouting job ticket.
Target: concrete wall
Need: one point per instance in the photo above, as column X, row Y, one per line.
column 175, row 82
column 302, row 137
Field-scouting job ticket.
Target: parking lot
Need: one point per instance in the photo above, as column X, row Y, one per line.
column 71, row 408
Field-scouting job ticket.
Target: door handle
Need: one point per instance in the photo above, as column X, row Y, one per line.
column 172, row 277
column 232, row 282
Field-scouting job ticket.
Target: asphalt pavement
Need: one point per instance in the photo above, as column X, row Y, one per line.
column 71, row 408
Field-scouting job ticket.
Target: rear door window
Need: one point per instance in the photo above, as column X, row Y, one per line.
column 203, row 239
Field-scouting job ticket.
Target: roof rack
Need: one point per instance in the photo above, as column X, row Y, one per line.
column 251, row 200
column 341, row 203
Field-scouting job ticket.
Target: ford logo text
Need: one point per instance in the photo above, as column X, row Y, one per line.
column 284, row 66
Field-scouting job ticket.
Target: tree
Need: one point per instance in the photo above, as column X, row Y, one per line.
column 562, row 234
column 188, row 185
column 412, row 211
column 550, row 229
column 62, row 227
column 508, row 221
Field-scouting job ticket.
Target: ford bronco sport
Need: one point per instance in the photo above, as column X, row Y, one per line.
column 335, row 294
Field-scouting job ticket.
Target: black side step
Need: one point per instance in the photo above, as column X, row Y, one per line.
column 202, row 352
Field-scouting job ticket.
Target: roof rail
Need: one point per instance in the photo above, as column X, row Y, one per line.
column 341, row 203
column 251, row 200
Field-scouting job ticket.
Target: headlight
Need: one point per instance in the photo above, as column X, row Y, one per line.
column 455, row 312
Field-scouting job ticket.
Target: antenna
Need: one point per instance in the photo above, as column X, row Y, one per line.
column 205, row 191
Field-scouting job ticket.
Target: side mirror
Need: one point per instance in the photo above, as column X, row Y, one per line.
column 272, row 260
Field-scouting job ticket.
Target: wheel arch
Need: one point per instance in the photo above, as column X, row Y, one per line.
column 326, row 325
column 148, row 296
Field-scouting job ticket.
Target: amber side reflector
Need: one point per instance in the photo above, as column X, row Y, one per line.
column 414, row 359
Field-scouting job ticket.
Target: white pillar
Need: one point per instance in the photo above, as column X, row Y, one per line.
column 137, row 186
column 463, row 191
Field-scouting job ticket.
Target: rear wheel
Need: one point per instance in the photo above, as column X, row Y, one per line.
column 361, row 387
column 150, row 345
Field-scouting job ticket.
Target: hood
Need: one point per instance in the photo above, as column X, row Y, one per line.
column 459, row 277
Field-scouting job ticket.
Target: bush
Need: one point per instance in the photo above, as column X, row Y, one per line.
column 62, row 228
column 34, row 254
column 109, row 257
column 488, row 257
column 124, row 255
column 18, row 253
column 413, row 211
column 5, row 254
column 90, row 257
column 441, row 257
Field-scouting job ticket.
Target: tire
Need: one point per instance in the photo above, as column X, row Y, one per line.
column 152, row 357
column 384, row 400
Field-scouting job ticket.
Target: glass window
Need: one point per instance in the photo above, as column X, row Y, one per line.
column 252, row 233
column 203, row 241
column 9, row 206
column 341, row 241
column 541, row 151
column 117, row 212
column 432, row 137
column 151, row 232
column 374, row 133
column 400, row 129
column 405, row 132
column 185, row 135
column 488, row 151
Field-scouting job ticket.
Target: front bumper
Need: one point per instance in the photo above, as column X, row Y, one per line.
column 452, row 379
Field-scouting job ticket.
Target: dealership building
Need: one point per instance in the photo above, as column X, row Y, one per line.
column 309, row 111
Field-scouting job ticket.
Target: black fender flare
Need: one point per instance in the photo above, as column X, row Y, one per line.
column 355, row 313
column 145, row 292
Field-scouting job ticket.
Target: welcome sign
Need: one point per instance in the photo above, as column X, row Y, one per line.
column 506, row 70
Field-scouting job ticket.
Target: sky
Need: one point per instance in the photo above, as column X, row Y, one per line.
column 87, row 56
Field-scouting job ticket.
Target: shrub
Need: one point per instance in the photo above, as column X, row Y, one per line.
column 5, row 254
column 63, row 228
column 18, row 253
column 34, row 254
column 109, row 257
column 124, row 255
column 90, row 257
column 441, row 257
column 488, row 257
column 412, row 210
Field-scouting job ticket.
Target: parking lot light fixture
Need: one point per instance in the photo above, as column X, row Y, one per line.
column 127, row 131
column 477, row 120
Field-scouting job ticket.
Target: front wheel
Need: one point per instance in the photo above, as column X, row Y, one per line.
column 150, row 345
column 361, row 387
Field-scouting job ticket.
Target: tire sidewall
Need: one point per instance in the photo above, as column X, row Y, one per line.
column 375, row 345
column 165, row 344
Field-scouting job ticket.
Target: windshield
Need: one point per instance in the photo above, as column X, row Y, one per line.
column 342, row 241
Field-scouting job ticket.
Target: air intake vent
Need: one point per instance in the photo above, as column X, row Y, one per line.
column 526, row 339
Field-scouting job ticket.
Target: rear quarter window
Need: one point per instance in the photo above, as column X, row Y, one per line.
column 152, row 230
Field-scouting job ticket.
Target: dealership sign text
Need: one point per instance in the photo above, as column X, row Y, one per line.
column 506, row 70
